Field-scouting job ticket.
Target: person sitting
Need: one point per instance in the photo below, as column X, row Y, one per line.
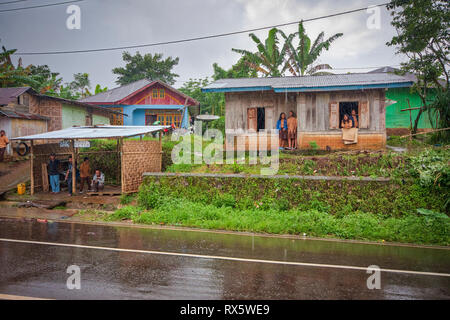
column 98, row 181
column 346, row 122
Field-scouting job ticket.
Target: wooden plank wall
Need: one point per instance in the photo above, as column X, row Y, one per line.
column 313, row 108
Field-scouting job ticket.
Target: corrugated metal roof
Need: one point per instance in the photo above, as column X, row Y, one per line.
column 21, row 115
column 118, row 93
column 94, row 132
column 9, row 94
column 307, row 82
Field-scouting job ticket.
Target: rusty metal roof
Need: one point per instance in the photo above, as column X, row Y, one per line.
column 21, row 115
column 9, row 94
column 349, row 81
column 94, row 132
column 120, row 93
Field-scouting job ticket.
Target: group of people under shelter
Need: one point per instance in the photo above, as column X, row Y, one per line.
column 83, row 174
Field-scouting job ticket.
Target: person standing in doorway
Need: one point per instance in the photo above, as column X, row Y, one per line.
column 53, row 172
column 292, row 130
column 3, row 144
column 355, row 119
column 85, row 174
column 282, row 130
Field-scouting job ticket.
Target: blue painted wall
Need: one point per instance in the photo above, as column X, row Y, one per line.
column 136, row 113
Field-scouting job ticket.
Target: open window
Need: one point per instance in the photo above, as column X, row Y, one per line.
column 358, row 112
column 349, row 108
column 256, row 119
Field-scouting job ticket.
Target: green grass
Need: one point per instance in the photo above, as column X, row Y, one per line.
column 313, row 222
column 396, row 215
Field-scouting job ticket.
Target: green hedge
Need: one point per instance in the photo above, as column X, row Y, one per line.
column 387, row 199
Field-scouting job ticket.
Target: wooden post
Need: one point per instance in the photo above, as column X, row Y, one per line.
column 160, row 150
column 121, row 164
column 74, row 169
column 32, row 169
column 410, row 119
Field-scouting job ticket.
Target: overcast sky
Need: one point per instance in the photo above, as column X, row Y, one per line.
column 110, row 23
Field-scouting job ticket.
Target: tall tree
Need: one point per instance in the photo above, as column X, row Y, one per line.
column 148, row 66
column 239, row 70
column 48, row 81
column 12, row 76
column 301, row 57
column 269, row 59
column 211, row 102
column 81, row 84
column 423, row 36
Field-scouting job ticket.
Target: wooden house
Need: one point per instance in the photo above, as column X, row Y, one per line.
column 23, row 112
column 253, row 105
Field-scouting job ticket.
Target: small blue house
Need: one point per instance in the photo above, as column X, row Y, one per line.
column 144, row 102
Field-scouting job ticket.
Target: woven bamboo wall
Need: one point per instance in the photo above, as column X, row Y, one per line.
column 139, row 157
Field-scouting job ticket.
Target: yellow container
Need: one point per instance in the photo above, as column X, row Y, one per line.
column 21, row 188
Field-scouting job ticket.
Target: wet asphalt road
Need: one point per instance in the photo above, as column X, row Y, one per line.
column 39, row 270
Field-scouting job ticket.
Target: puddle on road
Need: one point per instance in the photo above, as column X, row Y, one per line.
column 223, row 244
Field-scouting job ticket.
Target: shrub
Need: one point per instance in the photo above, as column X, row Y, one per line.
column 432, row 168
column 149, row 196
column 225, row 200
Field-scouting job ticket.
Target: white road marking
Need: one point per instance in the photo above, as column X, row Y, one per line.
column 201, row 256
column 14, row 297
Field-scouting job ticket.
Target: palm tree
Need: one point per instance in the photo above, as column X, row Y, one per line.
column 268, row 59
column 300, row 59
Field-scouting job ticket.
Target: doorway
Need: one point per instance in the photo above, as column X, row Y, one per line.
column 150, row 119
column 261, row 119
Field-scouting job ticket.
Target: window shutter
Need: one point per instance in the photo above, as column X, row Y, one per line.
column 364, row 114
column 334, row 115
column 269, row 119
column 251, row 119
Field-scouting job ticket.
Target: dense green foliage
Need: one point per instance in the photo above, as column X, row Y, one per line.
column 210, row 102
column 106, row 162
column 269, row 58
column 335, row 197
column 423, row 37
column 274, row 60
column 241, row 69
column 206, row 208
column 301, row 57
column 149, row 66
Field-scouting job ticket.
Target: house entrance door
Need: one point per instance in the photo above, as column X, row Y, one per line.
column 150, row 119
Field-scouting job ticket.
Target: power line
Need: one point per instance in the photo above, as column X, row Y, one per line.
column 9, row 2
column 39, row 6
column 197, row 38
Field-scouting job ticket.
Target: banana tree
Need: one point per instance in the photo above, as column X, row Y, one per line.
column 300, row 58
column 269, row 59
column 11, row 76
